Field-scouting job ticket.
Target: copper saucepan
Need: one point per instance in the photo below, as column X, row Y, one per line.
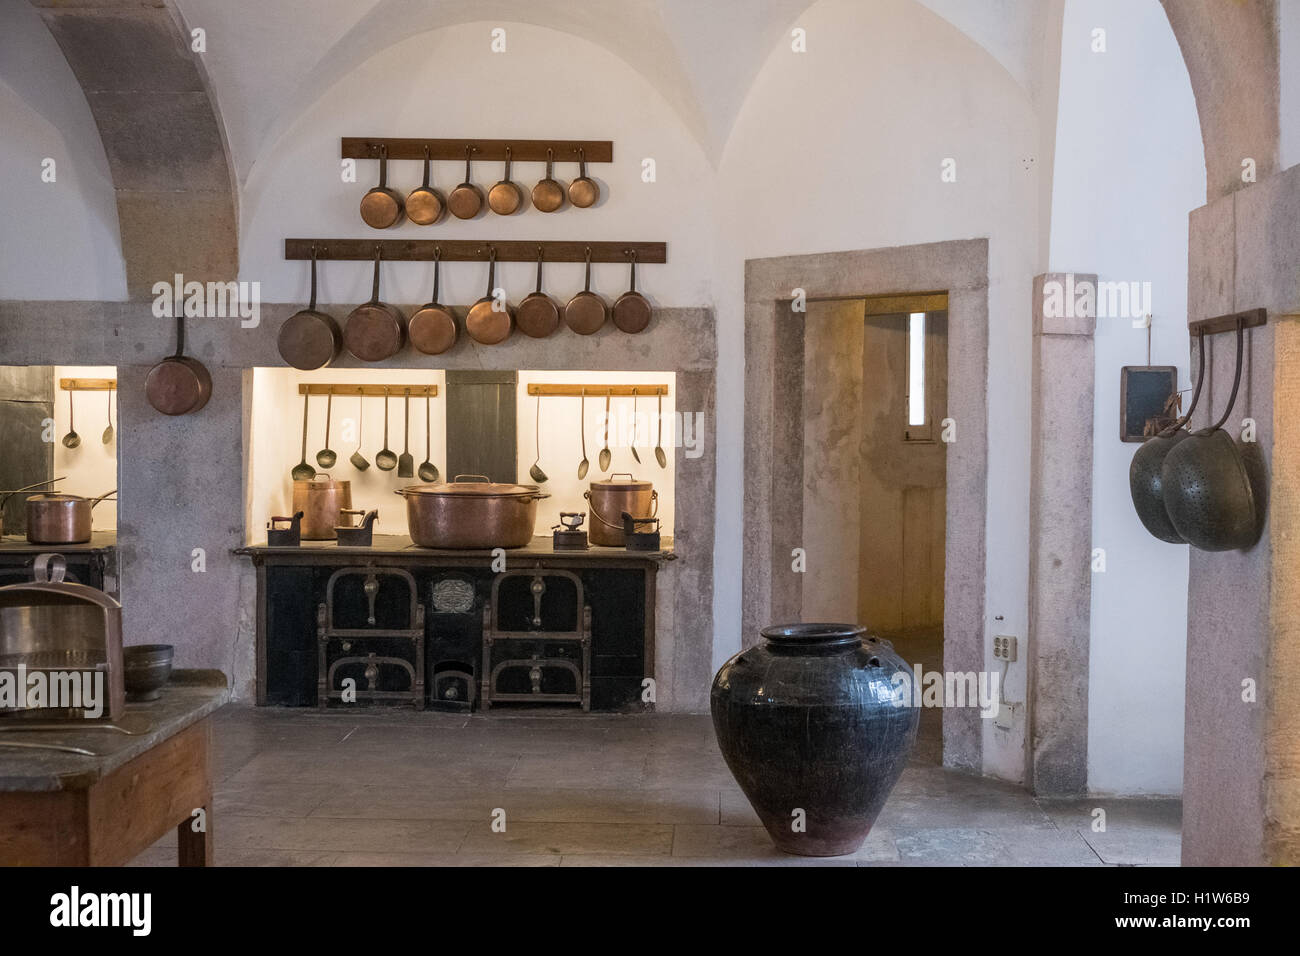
column 60, row 519
column 631, row 310
column 375, row 330
column 424, row 204
column 538, row 315
column 310, row 339
column 505, row 197
column 586, row 312
column 583, row 191
column 432, row 328
column 548, row 195
column 382, row 207
column 178, row 384
column 466, row 200
column 486, row 323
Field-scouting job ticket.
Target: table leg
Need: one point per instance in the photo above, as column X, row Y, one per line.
column 195, row 849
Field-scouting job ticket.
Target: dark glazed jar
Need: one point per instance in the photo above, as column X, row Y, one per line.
column 813, row 720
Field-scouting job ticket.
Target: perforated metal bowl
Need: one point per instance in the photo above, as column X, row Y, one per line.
column 1146, row 486
column 1208, row 494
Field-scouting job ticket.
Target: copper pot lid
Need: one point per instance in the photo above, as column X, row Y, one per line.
column 322, row 482
column 612, row 483
column 53, row 496
column 471, row 489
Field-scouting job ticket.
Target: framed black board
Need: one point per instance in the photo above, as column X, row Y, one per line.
column 1143, row 392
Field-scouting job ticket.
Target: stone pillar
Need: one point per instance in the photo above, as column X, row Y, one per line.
column 1241, row 762
column 1060, row 535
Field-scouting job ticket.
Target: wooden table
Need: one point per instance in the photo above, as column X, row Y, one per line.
column 68, row 809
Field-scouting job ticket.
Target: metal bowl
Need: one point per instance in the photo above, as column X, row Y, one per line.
column 146, row 669
column 1144, row 480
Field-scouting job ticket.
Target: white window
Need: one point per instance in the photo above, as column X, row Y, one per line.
column 916, row 370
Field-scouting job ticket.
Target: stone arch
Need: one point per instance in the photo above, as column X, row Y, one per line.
column 176, row 201
column 1231, row 52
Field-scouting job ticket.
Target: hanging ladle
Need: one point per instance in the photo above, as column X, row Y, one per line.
column 386, row 460
column 1144, row 471
column 326, row 457
column 303, row 471
column 634, row 451
column 107, row 437
column 582, row 430
column 428, row 470
column 604, row 456
column 536, row 473
column 358, row 460
column 71, row 439
column 660, row 456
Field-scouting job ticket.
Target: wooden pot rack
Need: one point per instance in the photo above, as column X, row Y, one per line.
column 1250, row 318
column 88, row 384
column 481, row 150
column 392, row 391
column 595, row 391
column 474, row 250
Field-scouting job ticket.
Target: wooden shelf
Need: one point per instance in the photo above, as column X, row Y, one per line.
column 88, row 384
column 392, row 391
column 474, row 250
column 596, row 391
column 483, row 150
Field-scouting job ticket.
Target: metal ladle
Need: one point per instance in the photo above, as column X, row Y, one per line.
column 107, row 437
column 71, row 439
column 604, row 456
column 326, row 457
column 660, row 456
column 428, row 471
column 582, row 429
column 536, row 473
column 386, row 460
column 303, row 471
column 359, row 460
column 634, row 451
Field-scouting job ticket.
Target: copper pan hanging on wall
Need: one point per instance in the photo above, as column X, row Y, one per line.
column 381, row 207
column 432, row 329
column 310, row 339
column 505, row 197
column 424, row 204
column 375, row 330
column 586, row 312
column 485, row 323
column 466, row 200
column 631, row 311
column 178, row 384
column 538, row 315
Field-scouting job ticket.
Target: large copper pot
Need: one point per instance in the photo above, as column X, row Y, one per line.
column 610, row 498
column 321, row 499
column 60, row 519
column 471, row 514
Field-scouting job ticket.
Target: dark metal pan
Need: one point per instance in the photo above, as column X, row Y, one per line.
column 1207, row 488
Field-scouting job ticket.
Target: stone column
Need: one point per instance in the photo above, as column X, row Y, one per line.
column 1241, row 751
column 1060, row 535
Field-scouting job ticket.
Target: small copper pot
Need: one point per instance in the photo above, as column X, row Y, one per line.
column 611, row 498
column 321, row 500
column 60, row 519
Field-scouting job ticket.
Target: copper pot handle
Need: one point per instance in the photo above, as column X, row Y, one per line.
column 596, row 514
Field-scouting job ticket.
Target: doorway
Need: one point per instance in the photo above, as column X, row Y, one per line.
column 804, row 369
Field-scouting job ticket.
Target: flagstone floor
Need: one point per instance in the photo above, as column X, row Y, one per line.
column 302, row 788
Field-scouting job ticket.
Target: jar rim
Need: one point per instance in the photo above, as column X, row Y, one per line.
column 817, row 632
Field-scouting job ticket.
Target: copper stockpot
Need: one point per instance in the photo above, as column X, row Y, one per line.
column 60, row 519
column 321, row 500
column 610, row 498
column 471, row 514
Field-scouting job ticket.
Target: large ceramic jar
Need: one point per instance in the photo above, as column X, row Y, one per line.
column 816, row 731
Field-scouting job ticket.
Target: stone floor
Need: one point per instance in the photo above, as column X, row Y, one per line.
column 399, row 788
